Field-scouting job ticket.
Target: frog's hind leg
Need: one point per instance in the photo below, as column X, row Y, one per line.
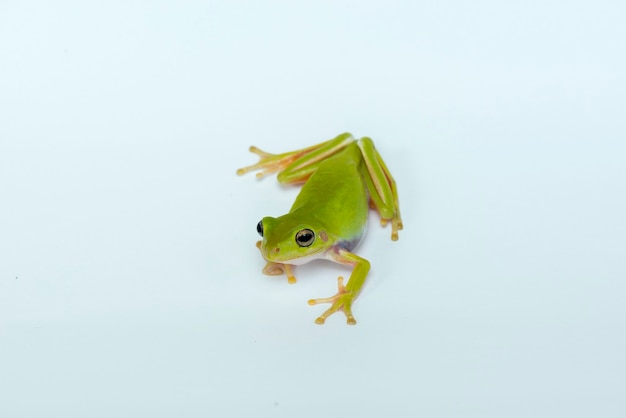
column 381, row 187
column 271, row 163
column 296, row 166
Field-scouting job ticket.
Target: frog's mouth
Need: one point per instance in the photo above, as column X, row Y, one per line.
column 274, row 256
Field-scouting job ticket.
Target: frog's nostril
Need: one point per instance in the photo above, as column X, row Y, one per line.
column 276, row 250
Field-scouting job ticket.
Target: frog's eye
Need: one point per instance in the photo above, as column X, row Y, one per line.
column 305, row 237
column 259, row 228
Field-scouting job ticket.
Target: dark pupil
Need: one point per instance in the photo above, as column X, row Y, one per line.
column 305, row 238
column 259, row 228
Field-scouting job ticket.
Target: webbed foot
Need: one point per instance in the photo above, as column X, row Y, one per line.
column 268, row 163
column 341, row 301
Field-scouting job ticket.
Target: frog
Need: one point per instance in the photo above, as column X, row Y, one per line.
column 342, row 179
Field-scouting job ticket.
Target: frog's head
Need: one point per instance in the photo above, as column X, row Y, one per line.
column 291, row 242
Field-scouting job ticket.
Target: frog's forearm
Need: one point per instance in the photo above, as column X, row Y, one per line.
column 345, row 294
column 359, row 274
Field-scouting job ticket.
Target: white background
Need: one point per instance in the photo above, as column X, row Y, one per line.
column 129, row 281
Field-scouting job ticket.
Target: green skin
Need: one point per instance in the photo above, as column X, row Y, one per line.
column 342, row 178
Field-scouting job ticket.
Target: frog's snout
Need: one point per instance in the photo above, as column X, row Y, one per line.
column 272, row 253
column 269, row 254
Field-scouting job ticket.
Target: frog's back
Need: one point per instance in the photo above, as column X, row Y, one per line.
column 335, row 196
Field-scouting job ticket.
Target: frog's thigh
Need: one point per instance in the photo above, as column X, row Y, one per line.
column 380, row 185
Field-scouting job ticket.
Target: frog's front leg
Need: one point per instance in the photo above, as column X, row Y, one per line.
column 345, row 294
column 276, row 269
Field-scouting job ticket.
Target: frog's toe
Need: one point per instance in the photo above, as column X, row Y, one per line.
column 273, row 269
column 342, row 301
